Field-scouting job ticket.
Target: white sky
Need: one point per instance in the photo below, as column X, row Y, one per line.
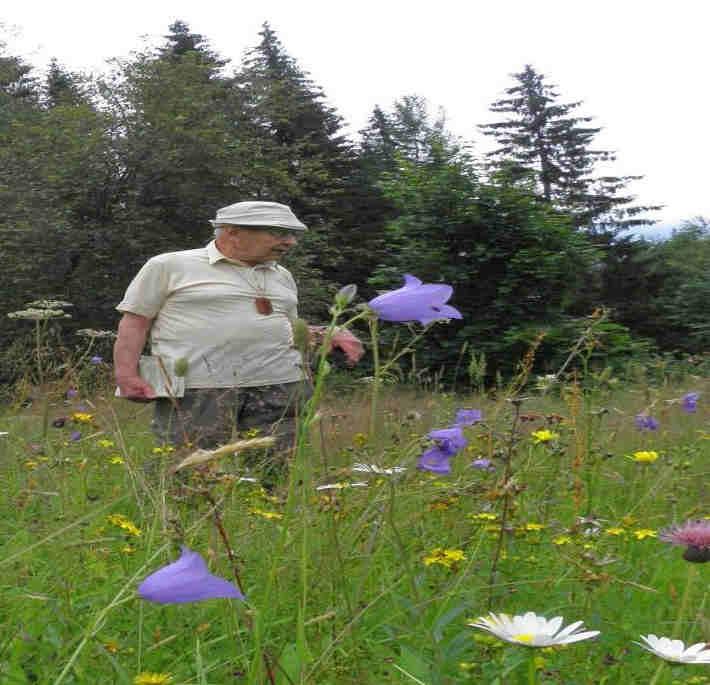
column 641, row 66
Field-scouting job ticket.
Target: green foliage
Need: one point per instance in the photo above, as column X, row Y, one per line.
column 544, row 140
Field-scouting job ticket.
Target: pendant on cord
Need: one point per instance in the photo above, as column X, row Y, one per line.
column 263, row 305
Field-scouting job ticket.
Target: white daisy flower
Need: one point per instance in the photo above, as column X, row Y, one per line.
column 532, row 630
column 675, row 650
column 378, row 470
column 341, row 486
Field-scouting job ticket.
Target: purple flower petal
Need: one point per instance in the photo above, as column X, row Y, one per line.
column 644, row 422
column 71, row 393
column 96, row 359
column 75, row 436
column 449, row 440
column 467, row 417
column 435, row 460
column 690, row 402
column 186, row 580
column 483, row 464
column 415, row 301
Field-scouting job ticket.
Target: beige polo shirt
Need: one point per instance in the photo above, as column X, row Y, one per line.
column 203, row 310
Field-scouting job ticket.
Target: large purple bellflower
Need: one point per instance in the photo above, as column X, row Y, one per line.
column 415, row 301
column 186, row 580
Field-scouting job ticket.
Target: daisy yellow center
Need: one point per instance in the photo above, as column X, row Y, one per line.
column 525, row 638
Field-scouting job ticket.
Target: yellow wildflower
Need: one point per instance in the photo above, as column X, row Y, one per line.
column 643, row 533
column 125, row 523
column 615, row 531
column 543, row 436
column 359, row 440
column 444, row 557
column 533, row 527
column 105, row 443
column 148, row 678
column 484, row 516
column 111, row 646
column 82, row 417
column 165, row 449
column 31, row 464
column 116, row 459
column 268, row 515
column 562, row 540
column 127, row 549
column 644, row 457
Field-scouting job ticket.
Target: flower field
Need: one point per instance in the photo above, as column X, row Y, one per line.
column 399, row 556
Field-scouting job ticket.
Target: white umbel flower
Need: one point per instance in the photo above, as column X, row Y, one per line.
column 531, row 630
column 378, row 470
column 675, row 650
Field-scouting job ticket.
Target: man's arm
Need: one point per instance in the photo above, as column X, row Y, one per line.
column 132, row 334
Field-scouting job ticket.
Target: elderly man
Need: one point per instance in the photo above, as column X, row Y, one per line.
column 220, row 322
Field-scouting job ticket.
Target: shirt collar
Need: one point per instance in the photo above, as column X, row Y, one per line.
column 214, row 256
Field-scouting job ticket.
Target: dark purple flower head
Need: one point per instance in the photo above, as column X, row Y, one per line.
column 96, row 359
column 483, row 464
column 467, row 417
column 75, row 436
column 644, row 422
column 186, row 580
column 690, row 402
column 415, row 301
column 449, row 440
column 435, row 460
column 59, row 422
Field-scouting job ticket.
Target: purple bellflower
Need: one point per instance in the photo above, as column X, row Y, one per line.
column 435, row 460
column 483, row 464
column 75, row 436
column 449, row 440
column 186, row 580
column 467, row 417
column 690, row 402
column 644, row 422
column 96, row 359
column 415, row 301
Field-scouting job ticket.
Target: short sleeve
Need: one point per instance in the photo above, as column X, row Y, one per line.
column 147, row 292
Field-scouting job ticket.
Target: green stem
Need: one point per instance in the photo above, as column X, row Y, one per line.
column 376, row 380
column 532, row 669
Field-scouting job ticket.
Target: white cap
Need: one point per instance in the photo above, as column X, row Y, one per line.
column 271, row 214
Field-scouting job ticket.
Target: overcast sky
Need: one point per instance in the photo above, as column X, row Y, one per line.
column 640, row 66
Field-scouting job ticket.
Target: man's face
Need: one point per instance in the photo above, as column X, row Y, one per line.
column 256, row 245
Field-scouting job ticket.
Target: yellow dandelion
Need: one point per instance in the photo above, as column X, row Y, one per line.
column 615, row 531
column 148, row 678
column 125, row 524
column 116, row 459
column 105, row 443
column 268, row 515
column 533, row 527
column 127, row 549
column 444, row 557
column 543, row 436
column 562, row 540
column 484, row 516
column 643, row 533
column 82, row 417
column 644, row 457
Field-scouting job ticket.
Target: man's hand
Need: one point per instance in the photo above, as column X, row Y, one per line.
column 134, row 388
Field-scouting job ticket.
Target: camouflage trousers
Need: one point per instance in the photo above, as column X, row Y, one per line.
column 207, row 418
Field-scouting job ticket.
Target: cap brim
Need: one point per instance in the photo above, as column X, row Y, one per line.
column 220, row 222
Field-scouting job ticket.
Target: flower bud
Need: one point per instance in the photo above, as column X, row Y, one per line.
column 345, row 295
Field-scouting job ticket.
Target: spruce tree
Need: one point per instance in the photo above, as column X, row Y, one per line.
column 546, row 140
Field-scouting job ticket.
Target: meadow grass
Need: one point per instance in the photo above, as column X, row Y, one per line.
column 344, row 585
